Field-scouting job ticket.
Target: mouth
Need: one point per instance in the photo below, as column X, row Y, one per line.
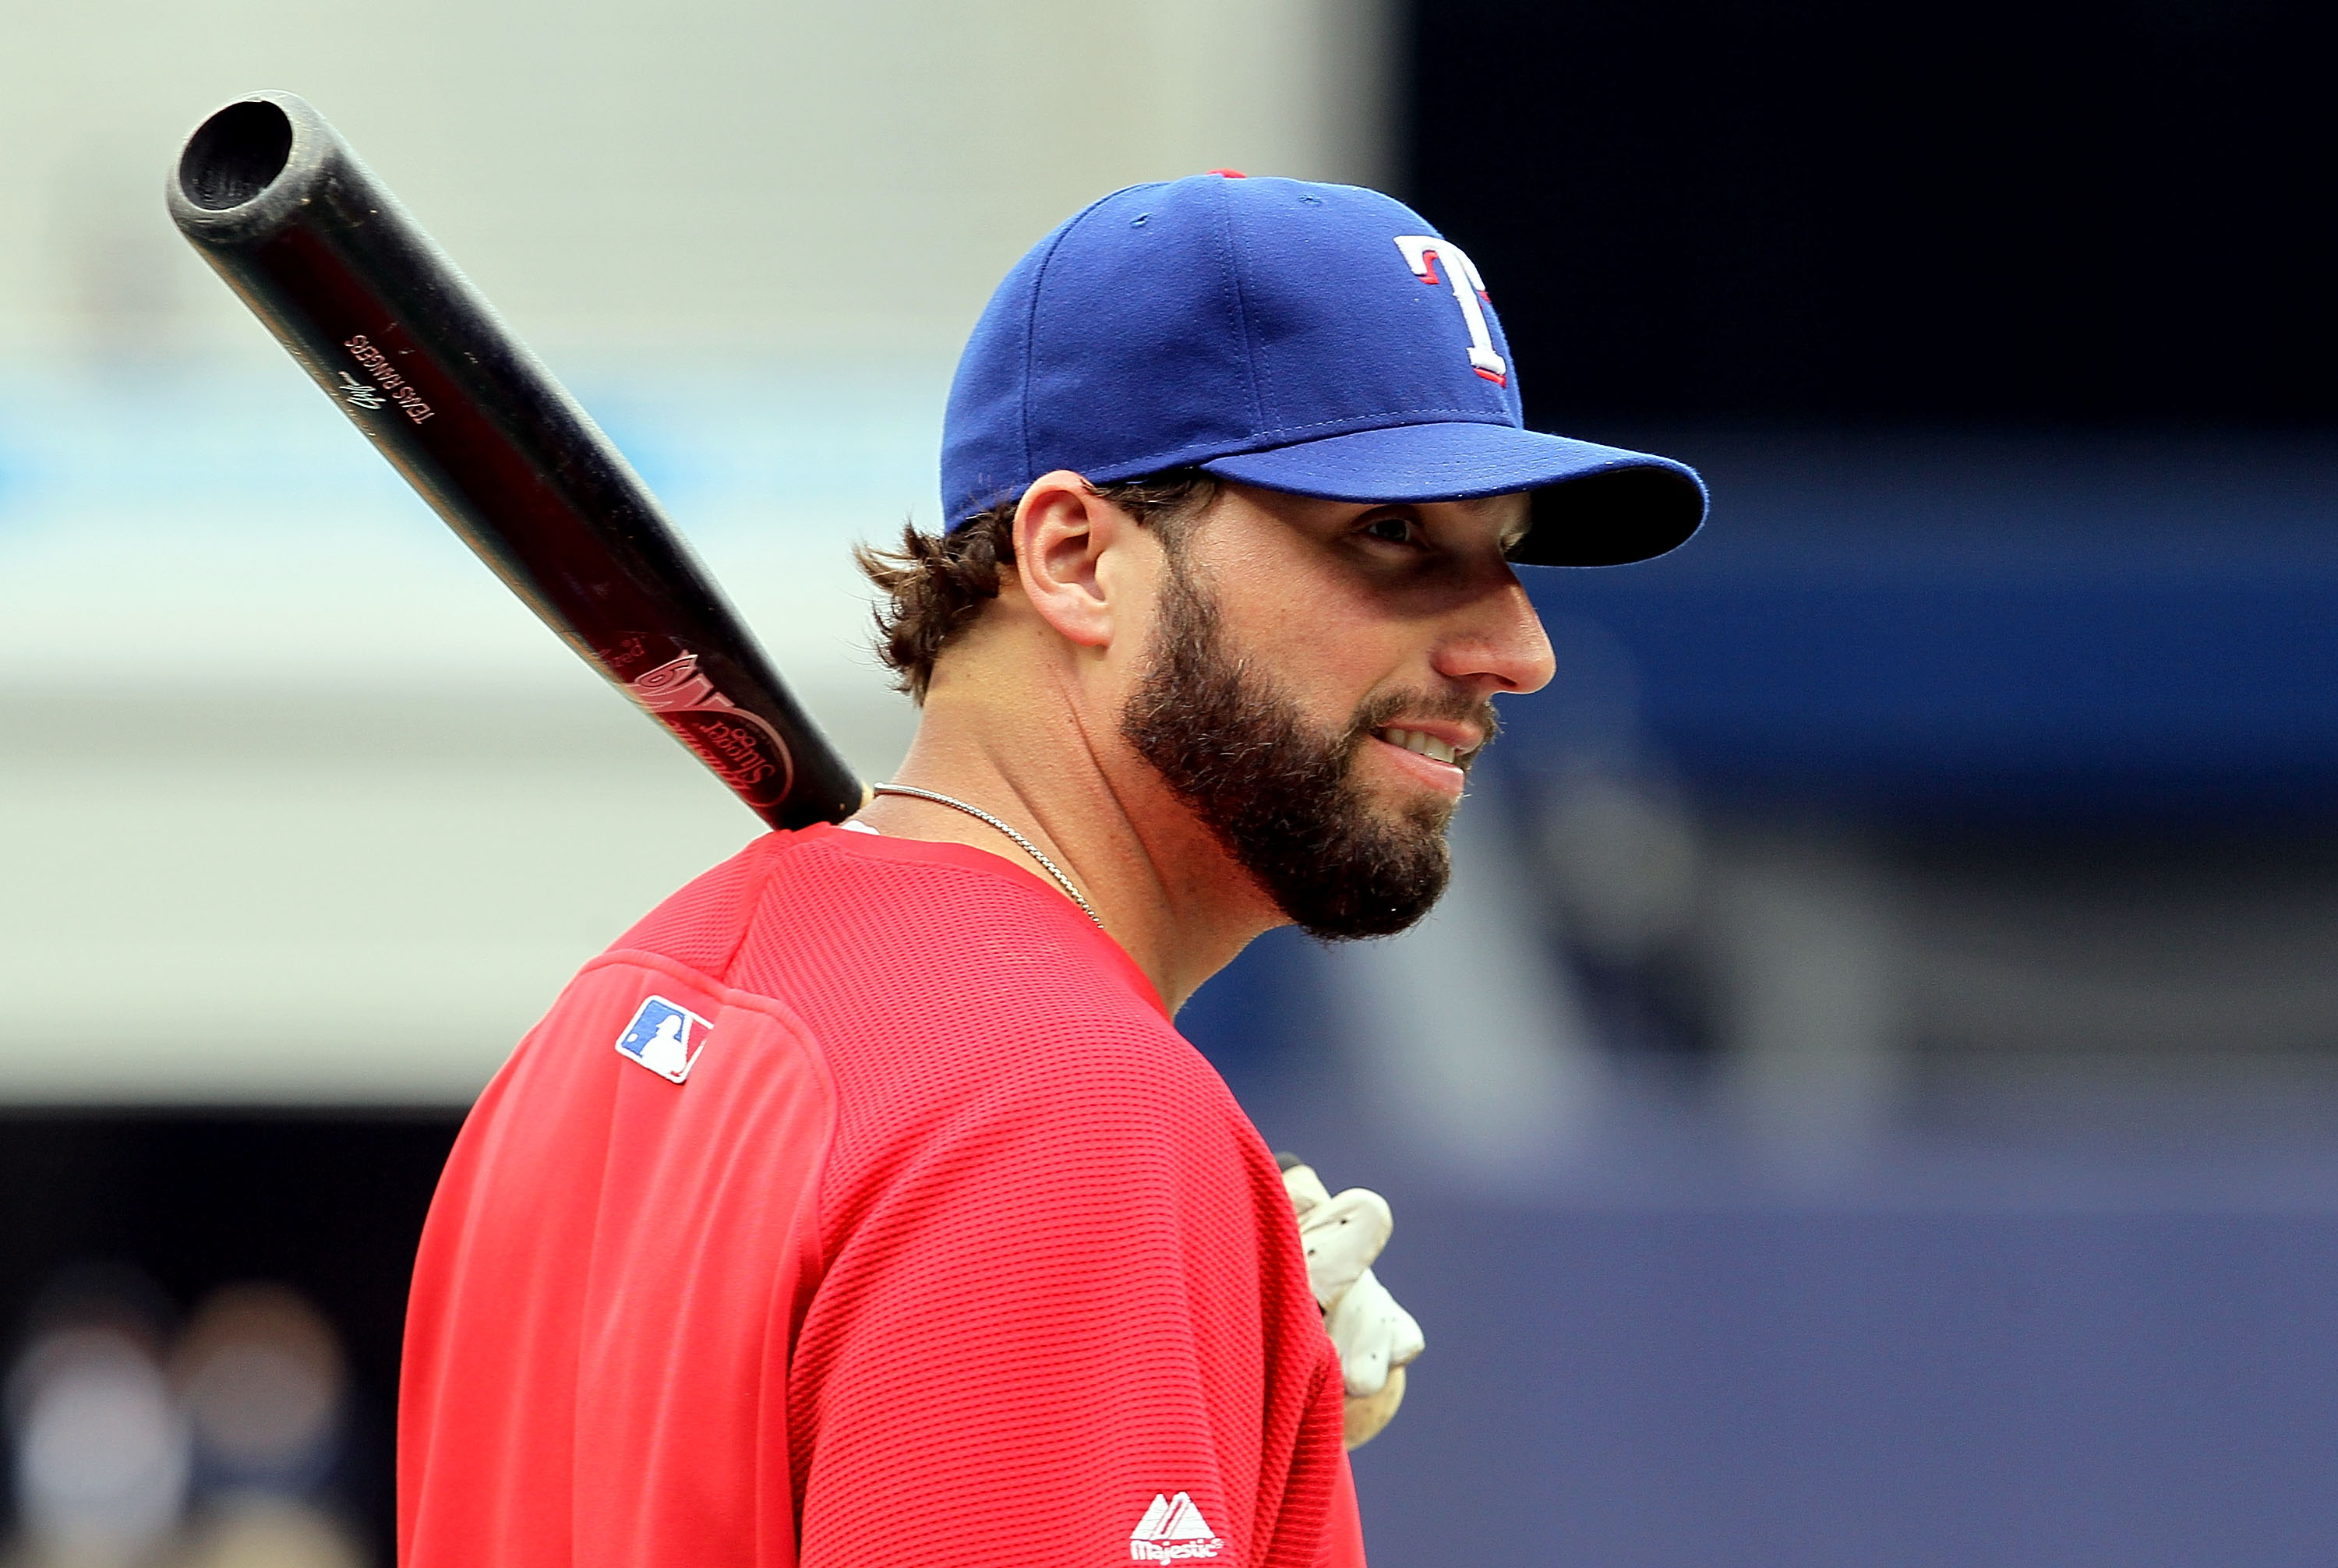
column 1438, row 762
column 1451, row 751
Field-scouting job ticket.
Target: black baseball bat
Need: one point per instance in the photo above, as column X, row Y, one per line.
column 283, row 210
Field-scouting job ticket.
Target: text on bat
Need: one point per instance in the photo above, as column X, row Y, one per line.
column 385, row 376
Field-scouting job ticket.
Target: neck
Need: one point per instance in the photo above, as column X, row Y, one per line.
column 1159, row 882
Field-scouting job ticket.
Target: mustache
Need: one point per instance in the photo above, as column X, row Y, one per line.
column 1378, row 712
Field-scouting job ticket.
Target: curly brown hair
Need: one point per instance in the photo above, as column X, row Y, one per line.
column 935, row 584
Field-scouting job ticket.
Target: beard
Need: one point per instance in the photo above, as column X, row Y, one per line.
column 1280, row 794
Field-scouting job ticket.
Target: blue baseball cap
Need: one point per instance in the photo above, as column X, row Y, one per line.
column 1318, row 339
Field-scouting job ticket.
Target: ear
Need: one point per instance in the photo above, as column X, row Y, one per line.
column 1072, row 552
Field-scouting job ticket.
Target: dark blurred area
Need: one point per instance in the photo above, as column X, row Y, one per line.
column 205, row 1311
column 2046, row 214
column 1996, row 701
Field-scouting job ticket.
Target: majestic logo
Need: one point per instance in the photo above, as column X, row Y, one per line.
column 1421, row 253
column 1172, row 1531
column 665, row 1038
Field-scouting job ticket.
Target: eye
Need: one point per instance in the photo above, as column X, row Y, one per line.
column 1395, row 530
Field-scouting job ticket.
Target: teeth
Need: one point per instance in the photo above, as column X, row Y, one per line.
column 1414, row 741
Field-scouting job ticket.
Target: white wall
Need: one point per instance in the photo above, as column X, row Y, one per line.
column 728, row 174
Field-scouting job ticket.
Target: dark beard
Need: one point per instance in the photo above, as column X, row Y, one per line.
column 1279, row 795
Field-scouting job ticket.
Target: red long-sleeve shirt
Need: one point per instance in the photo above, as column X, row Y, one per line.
column 860, row 1208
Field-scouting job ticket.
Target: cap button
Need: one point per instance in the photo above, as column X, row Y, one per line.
column 1231, row 173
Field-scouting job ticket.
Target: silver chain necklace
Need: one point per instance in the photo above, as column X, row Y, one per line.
column 1049, row 867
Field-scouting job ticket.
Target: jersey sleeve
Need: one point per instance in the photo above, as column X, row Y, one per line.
column 1064, row 1323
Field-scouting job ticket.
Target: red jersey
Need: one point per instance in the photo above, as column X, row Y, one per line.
column 861, row 1209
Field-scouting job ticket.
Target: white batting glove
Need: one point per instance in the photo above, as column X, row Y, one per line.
column 1376, row 1337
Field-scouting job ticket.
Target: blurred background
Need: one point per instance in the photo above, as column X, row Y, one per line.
column 1872, row 1097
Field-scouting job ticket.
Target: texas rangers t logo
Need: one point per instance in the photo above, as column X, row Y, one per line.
column 664, row 1038
column 1421, row 253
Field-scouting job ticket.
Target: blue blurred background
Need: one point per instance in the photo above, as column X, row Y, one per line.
column 1872, row 1097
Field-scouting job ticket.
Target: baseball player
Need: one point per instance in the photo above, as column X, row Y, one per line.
column 862, row 1207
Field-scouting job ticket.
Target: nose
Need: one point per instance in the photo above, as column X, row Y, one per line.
column 1498, row 642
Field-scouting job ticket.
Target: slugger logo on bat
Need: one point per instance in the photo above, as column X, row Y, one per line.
column 745, row 750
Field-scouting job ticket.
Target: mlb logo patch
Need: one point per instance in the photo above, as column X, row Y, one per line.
column 665, row 1038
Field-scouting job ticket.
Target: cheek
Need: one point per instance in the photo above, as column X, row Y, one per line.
column 1321, row 646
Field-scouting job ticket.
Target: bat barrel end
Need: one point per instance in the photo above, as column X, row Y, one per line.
column 247, row 170
column 235, row 155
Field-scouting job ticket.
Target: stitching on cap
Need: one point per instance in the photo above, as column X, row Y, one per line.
column 1394, row 418
column 1224, row 193
column 1031, row 318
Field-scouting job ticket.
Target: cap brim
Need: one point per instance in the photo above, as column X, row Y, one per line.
column 1593, row 506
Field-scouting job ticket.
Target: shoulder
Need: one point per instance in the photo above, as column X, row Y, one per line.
column 933, row 977
column 700, row 925
column 883, row 916
column 936, row 981
column 967, row 1012
column 880, row 939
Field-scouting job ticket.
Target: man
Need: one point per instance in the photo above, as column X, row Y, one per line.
column 924, row 1238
